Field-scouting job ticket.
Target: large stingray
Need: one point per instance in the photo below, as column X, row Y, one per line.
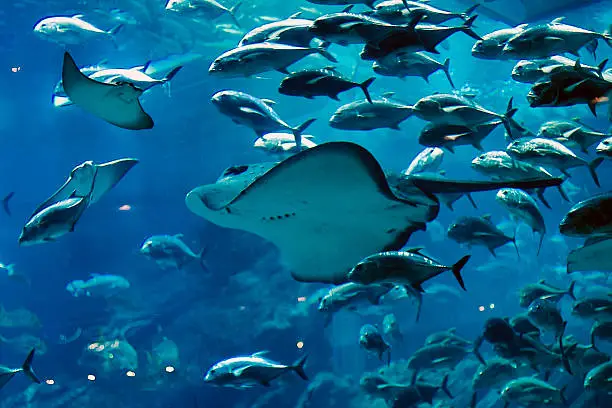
column 90, row 179
column 117, row 104
column 325, row 208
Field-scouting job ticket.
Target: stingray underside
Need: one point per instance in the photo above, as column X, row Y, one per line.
column 325, row 208
column 117, row 104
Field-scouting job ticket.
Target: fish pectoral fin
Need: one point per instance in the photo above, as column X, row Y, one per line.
column 366, row 115
column 250, row 111
column 440, row 360
column 454, row 109
column 238, row 372
column 452, row 138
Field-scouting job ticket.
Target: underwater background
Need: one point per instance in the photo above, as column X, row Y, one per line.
column 246, row 302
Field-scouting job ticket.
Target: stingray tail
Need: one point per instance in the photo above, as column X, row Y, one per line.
column 364, row 87
column 467, row 28
column 232, row 13
column 592, row 167
column 298, row 367
column 446, row 69
column 457, row 270
column 297, row 132
column 27, row 367
column 5, row 203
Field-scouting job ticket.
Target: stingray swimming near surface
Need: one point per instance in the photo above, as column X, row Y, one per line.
column 117, row 104
column 328, row 207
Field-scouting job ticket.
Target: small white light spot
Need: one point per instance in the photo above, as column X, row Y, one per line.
column 481, row 308
column 169, row 369
column 130, row 374
column 492, row 306
column 50, row 381
column 300, row 344
column 91, row 377
column 15, row 69
column 301, row 299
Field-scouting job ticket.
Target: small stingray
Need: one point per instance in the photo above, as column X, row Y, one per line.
column 325, row 208
column 117, row 104
column 79, row 184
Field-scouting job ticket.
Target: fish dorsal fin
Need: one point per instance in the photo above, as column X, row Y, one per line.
column 260, row 353
column 542, row 281
column 452, row 330
column 179, row 236
column 78, row 16
column 93, row 275
column 294, row 15
column 557, row 20
column 521, row 26
column 486, row 217
column 388, row 95
column 269, row 102
column 347, row 9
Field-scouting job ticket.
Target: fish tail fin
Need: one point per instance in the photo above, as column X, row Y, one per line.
column 444, row 387
column 540, row 194
column 514, row 243
column 541, row 242
column 467, row 28
column 172, row 74
column 476, row 350
column 607, row 36
column 473, row 400
column 5, row 203
column 298, row 367
column 562, row 395
column 457, row 267
column 570, row 290
column 297, row 132
column 593, row 346
column 232, row 12
column 506, row 117
column 364, row 87
column 564, row 359
column 27, row 367
column 202, row 260
column 562, row 191
column 466, row 14
column 471, row 199
column 446, row 69
column 113, row 31
column 593, row 166
column 322, row 49
column 166, row 81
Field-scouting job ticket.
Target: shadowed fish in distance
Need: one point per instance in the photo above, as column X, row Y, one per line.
column 307, row 196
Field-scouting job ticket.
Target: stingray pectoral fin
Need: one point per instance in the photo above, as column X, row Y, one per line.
column 325, row 208
column 109, row 174
column 117, row 104
column 436, row 186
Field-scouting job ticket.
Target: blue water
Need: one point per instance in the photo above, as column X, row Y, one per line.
column 245, row 305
